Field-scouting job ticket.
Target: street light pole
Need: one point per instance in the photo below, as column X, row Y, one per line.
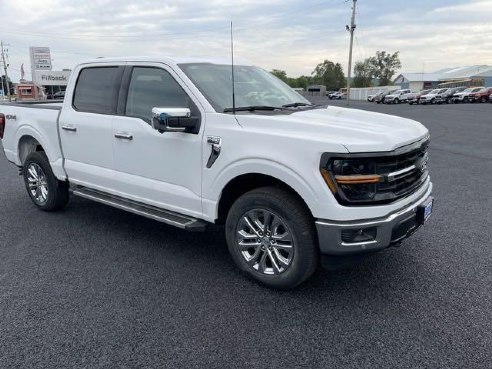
column 351, row 29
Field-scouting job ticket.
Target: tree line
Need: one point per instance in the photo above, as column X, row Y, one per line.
column 3, row 83
column 378, row 69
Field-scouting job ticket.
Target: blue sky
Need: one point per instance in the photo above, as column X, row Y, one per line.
column 291, row 35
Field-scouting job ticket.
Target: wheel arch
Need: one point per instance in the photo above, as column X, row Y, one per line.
column 243, row 183
column 29, row 139
column 26, row 145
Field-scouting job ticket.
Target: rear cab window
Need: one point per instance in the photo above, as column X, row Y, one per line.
column 96, row 90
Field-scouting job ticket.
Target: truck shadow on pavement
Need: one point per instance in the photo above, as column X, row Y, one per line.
column 206, row 256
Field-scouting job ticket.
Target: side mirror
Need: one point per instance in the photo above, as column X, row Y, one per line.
column 173, row 120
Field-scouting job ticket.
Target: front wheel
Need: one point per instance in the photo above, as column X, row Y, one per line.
column 45, row 190
column 271, row 236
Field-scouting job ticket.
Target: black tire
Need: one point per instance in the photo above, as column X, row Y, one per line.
column 57, row 195
column 483, row 99
column 433, row 101
column 299, row 224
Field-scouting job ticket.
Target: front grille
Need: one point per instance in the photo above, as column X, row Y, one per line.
column 403, row 172
column 413, row 166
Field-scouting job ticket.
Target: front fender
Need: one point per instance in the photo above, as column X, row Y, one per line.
column 309, row 191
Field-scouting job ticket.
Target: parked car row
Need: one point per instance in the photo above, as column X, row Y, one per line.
column 60, row 95
column 336, row 95
column 434, row 96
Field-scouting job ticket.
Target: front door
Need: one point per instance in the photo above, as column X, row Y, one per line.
column 161, row 169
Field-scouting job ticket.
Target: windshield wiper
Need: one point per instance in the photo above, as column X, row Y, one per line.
column 253, row 108
column 296, row 104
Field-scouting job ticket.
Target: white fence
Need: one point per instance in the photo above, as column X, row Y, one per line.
column 362, row 93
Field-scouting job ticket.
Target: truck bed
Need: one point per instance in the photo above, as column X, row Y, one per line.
column 37, row 104
column 34, row 121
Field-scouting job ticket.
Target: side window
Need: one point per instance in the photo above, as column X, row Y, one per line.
column 153, row 87
column 95, row 90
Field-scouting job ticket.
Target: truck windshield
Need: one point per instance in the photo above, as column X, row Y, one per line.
column 253, row 86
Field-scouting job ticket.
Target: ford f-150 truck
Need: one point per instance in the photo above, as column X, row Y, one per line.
column 181, row 142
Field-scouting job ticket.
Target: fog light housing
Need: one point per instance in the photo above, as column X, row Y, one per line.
column 358, row 235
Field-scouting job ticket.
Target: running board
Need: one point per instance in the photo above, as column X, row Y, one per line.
column 148, row 211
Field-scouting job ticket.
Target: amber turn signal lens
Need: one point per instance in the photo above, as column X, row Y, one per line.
column 326, row 176
column 359, row 179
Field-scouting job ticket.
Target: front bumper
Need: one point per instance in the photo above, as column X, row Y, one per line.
column 334, row 237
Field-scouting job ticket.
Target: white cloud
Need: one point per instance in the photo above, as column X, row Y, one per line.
column 292, row 35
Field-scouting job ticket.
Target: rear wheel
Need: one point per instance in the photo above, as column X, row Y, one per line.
column 44, row 189
column 483, row 99
column 271, row 236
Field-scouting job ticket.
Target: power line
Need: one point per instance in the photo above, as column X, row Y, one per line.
column 143, row 37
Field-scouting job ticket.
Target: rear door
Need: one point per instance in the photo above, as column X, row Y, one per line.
column 85, row 126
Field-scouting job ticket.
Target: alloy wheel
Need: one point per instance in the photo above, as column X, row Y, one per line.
column 265, row 241
column 38, row 183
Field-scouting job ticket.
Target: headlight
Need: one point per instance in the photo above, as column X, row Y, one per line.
column 377, row 179
column 354, row 179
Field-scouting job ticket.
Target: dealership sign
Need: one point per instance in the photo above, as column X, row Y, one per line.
column 51, row 78
column 40, row 58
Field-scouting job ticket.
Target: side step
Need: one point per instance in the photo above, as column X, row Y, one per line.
column 152, row 212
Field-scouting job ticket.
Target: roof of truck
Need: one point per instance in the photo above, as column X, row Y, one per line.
column 167, row 60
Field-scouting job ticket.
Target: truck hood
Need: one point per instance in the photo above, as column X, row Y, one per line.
column 357, row 130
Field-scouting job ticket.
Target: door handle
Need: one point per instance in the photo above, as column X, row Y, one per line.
column 123, row 135
column 69, row 128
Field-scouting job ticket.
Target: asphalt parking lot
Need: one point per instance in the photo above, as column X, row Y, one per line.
column 96, row 287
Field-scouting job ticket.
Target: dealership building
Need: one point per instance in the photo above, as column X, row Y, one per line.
column 475, row 75
column 42, row 71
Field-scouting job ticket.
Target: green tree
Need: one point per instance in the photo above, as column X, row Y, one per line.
column 329, row 74
column 3, row 82
column 384, row 66
column 362, row 74
column 302, row 81
column 280, row 74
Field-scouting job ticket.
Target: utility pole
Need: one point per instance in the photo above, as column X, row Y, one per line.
column 5, row 65
column 3, row 90
column 351, row 29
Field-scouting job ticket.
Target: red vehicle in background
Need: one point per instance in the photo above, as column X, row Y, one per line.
column 480, row 96
column 415, row 99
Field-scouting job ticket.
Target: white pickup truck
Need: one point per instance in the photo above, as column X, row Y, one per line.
column 171, row 139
